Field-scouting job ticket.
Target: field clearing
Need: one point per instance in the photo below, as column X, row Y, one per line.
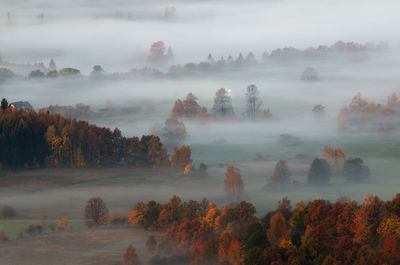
column 39, row 195
column 82, row 246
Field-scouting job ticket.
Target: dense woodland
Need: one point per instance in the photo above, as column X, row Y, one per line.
column 317, row 232
column 32, row 139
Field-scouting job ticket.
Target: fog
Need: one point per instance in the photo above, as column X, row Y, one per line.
column 118, row 35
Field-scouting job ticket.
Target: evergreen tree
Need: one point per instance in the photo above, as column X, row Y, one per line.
column 4, row 104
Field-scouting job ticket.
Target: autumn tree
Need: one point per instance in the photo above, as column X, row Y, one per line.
column 130, row 256
column 222, row 107
column 145, row 215
column 278, row 228
column 191, row 107
column 178, row 110
column 335, row 158
column 188, row 170
column 234, row 187
column 171, row 212
column 253, row 102
column 180, row 158
column 391, row 249
column 62, row 223
column 319, row 172
column 96, row 212
column 157, row 53
column 393, row 206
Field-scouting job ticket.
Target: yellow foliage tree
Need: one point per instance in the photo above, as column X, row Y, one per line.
column 390, row 225
column 278, row 228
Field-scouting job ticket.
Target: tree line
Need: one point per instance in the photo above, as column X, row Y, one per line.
column 317, row 232
column 31, row 139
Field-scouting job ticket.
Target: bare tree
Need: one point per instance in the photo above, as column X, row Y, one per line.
column 96, row 212
column 253, row 102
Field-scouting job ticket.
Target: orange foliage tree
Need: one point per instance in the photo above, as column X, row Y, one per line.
column 181, row 157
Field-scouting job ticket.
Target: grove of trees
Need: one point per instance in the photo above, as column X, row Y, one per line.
column 32, row 139
column 317, row 232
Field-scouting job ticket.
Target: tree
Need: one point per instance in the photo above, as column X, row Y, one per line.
column 191, row 107
column 157, row 52
column 4, row 104
column 255, row 236
column 222, row 107
column 145, row 215
column 282, row 174
column 52, row 74
column 7, row 212
column 253, row 103
column 278, row 228
column 181, row 157
column 130, row 256
column 96, row 212
column 174, row 132
column 391, row 249
column 355, row 171
column 151, row 243
column 36, row 74
column 69, row 72
column 335, row 159
column 201, row 171
column 319, row 172
column 171, row 212
column 52, row 65
column 309, row 75
column 188, row 170
column 97, row 71
column 62, row 223
column 5, row 74
column 178, row 110
column 234, row 187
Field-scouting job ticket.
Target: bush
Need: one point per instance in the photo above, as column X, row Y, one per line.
column 34, row 229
